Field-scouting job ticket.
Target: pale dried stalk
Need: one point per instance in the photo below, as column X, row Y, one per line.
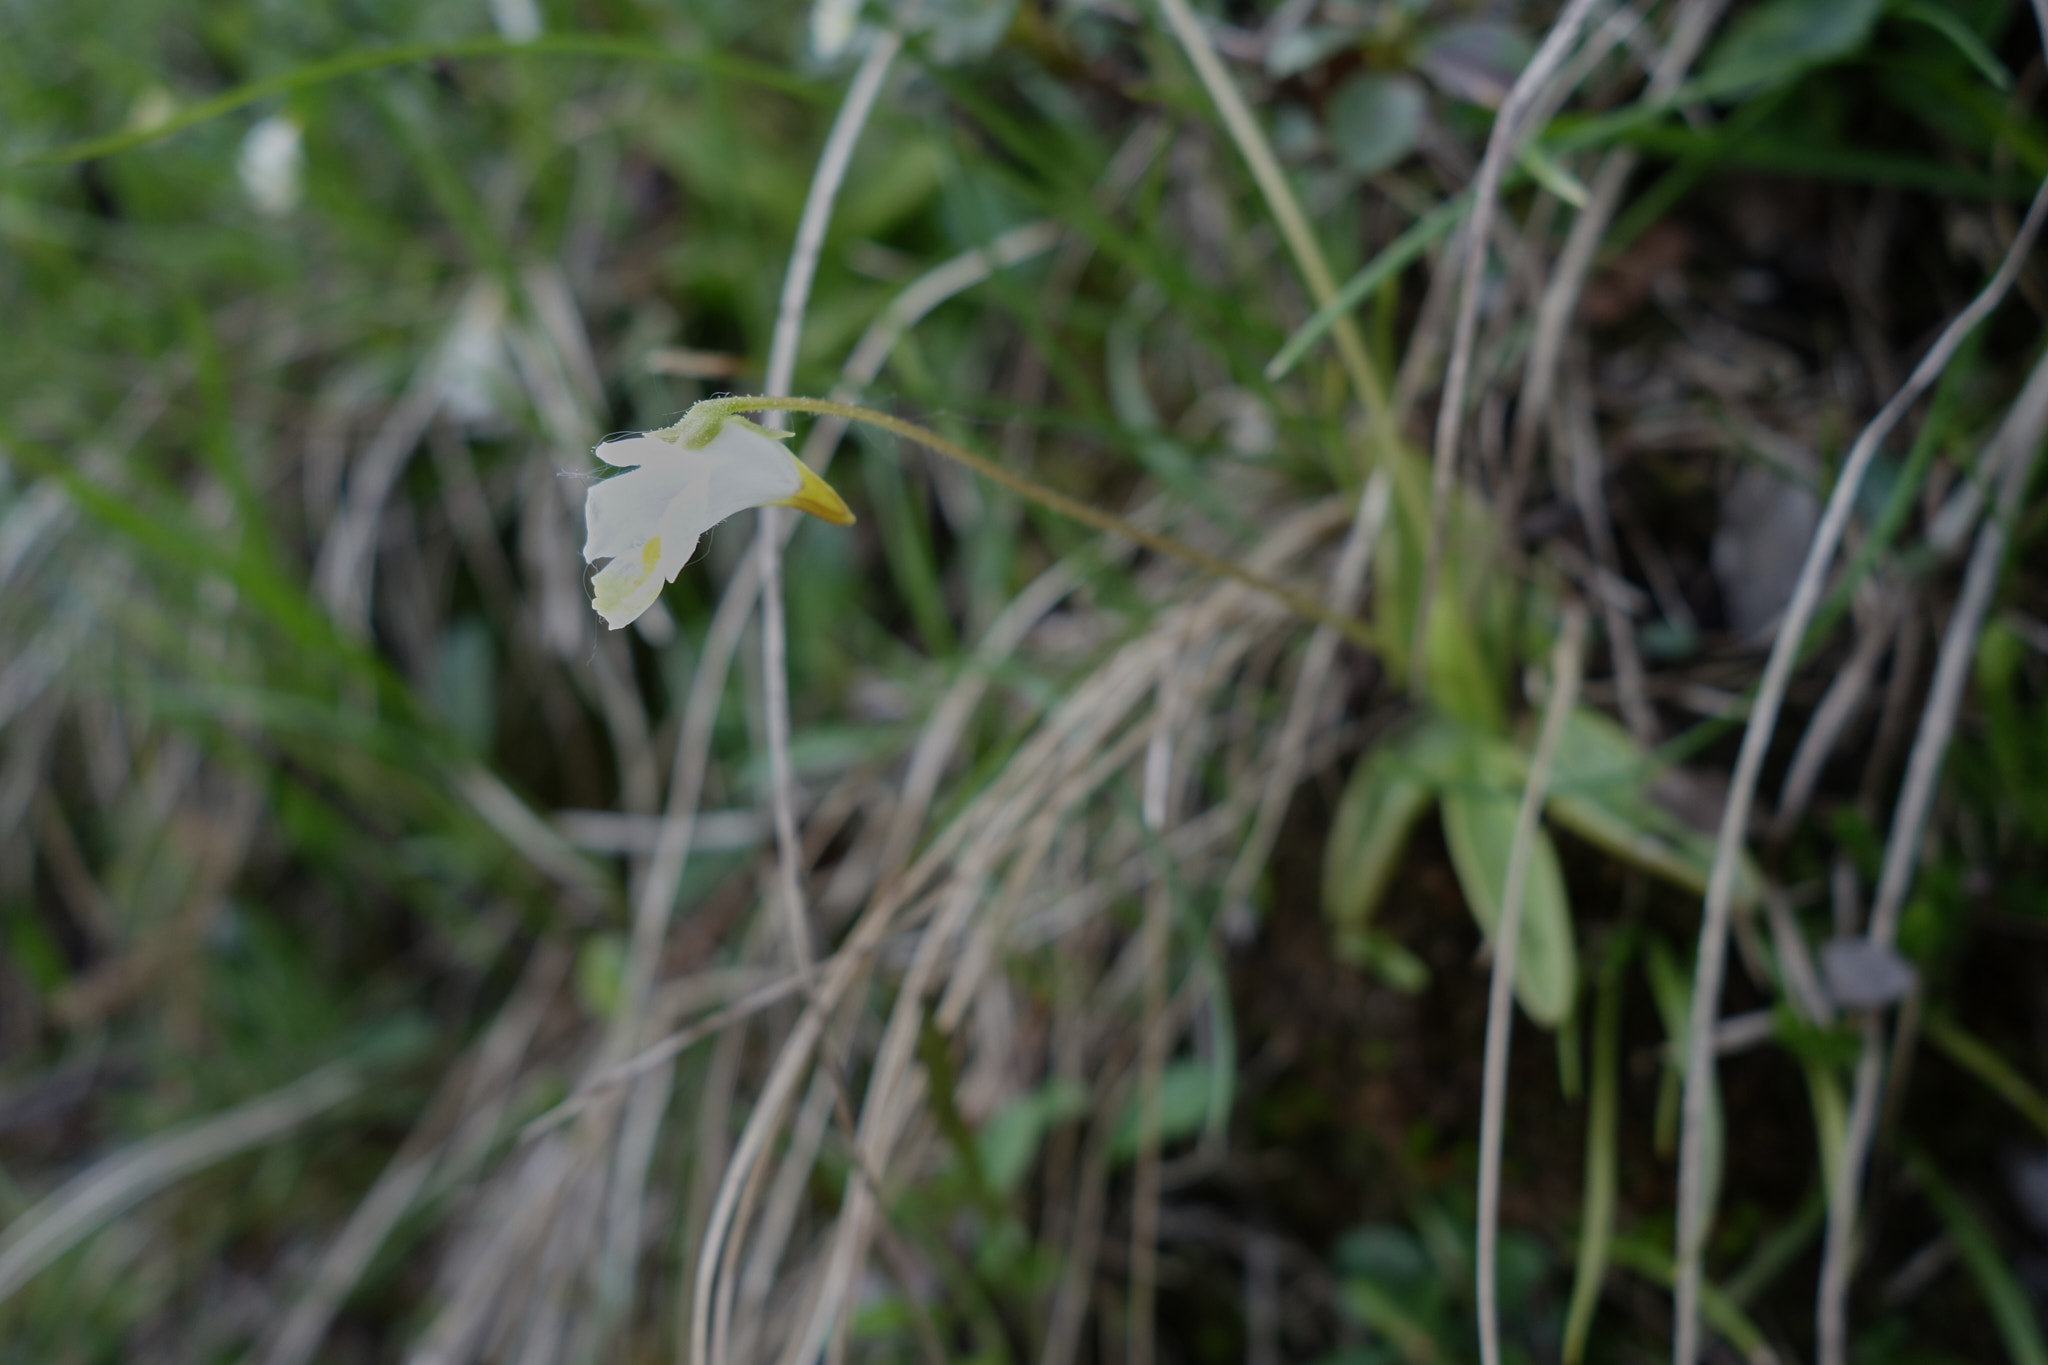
column 1711, row 964
column 892, row 1089
column 1158, row 813
column 861, row 95
column 480, row 1091
column 1582, row 442
column 111, row 1187
column 658, row 887
column 1510, row 125
column 1346, row 586
column 1030, row 783
column 1838, row 706
column 2016, row 448
column 1566, row 659
column 1560, row 303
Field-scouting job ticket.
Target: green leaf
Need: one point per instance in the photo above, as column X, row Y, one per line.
column 1987, row 1265
column 1009, row 1141
column 1298, row 49
column 1388, row 792
column 1653, row 1263
column 1459, row 682
column 1479, row 826
column 1374, row 121
column 1388, row 1314
column 1961, row 36
column 1547, row 171
column 1384, row 956
column 1672, row 990
column 1779, row 39
column 958, row 31
column 1603, row 1115
column 1184, row 1091
column 600, row 974
column 2000, row 1076
column 1600, row 791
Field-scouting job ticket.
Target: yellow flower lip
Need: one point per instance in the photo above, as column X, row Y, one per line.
column 818, row 498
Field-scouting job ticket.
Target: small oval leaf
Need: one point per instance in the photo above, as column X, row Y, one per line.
column 1479, row 826
column 1388, row 792
column 1781, row 38
column 1599, row 790
column 1374, row 121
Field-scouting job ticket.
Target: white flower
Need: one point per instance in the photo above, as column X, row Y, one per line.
column 681, row 482
column 272, row 155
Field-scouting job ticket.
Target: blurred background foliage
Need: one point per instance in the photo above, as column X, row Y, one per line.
column 327, row 807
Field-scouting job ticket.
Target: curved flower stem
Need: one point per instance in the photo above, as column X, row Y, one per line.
column 1296, row 601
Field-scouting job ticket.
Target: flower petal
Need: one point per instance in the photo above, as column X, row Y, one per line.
column 637, row 449
column 621, row 512
column 628, row 585
column 649, row 519
column 747, row 470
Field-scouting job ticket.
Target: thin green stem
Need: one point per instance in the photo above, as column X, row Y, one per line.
column 2000, row 1076
column 1296, row 601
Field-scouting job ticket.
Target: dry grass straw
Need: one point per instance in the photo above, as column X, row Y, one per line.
column 1076, row 753
column 1536, row 94
column 1757, row 732
column 1567, row 659
column 108, row 1188
column 2010, row 459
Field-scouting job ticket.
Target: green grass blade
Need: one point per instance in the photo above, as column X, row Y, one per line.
column 1653, row 1263
column 1987, row 1265
column 1395, row 257
column 2000, row 1076
column 1603, row 1111
column 709, row 61
column 1950, row 25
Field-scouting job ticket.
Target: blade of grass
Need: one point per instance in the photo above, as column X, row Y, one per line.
column 1988, row 1266
column 1521, row 115
column 1287, row 215
column 1952, row 26
column 709, row 60
column 1392, row 259
column 1721, row 1313
column 110, row 1187
column 1999, row 1076
column 2013, row 452
column 1603, row 1113
column 1566, row 660
column 1762, row 722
